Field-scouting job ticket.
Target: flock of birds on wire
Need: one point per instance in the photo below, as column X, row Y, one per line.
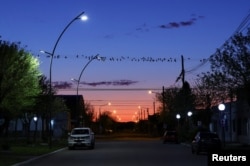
column 127, row 58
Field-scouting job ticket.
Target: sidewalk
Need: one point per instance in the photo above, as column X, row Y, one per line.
column 228, row 146
column 236, row 146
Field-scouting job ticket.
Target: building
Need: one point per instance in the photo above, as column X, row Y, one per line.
column 75, row 104
column 233, row 123
column 61, row 122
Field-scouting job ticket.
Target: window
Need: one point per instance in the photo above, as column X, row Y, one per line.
column 80, row 131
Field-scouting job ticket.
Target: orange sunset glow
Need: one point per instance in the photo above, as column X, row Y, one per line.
column 125, row 105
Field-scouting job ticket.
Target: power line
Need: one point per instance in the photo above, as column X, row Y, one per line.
column 243, row 25
column 112, row 89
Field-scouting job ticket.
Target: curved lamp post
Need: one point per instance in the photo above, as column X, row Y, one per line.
column 100, row 124
column 107, row 104
column 83, row 69
column 80, row 16
column 79, row 79
column 150, row 92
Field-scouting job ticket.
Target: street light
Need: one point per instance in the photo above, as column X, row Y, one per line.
column 79, row 79
column 150, row 92
column 189, row 114
column 140, row 112
column 100, row 125
column 222, row 108
column 35, row 120
column 178, row 116
column 80, row 16
column 108, row 104
column 83, row 69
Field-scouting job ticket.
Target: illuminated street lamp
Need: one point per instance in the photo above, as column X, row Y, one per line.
column 81, row 17
column 136, row 117
column 178, row 116
column 100, row 123
column 35, row 120
column 108, row 104
column 141, row 110
column 83, row 69
column 222, row 108
column 189, row 114
column 79, row 79
column 150, row 92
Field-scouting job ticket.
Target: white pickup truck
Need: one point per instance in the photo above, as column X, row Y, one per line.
column 81, row 137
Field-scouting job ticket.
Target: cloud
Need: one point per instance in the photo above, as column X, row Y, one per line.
column 179, row 24
column 145, row 28
column 62, row 85
column 68, row 85
column 114, row 83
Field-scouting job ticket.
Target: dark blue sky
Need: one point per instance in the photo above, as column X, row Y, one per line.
column 126, row 32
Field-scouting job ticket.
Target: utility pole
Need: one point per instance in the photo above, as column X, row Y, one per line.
column 163, row 98
column 182, row 70
column 182, row 74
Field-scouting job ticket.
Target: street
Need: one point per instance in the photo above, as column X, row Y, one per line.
column 124, row 153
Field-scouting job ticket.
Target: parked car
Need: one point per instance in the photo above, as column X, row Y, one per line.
column 170, row 136
column 81, row 137
column 205, row 142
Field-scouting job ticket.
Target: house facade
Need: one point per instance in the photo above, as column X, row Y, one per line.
column 233, row 123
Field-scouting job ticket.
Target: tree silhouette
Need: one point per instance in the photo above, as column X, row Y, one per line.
column 230, row 67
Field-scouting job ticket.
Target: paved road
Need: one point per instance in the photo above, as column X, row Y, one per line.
column 124, row 153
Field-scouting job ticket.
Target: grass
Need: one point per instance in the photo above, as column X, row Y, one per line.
column 19, row 152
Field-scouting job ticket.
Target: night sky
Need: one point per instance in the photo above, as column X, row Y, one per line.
column 141, row 43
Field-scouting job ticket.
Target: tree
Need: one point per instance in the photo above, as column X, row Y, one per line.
column 184, row 100
column 106, row 121
column 43, row 104
column 88, row 114
column 46, row 102
column 230, row 67
column 19, row 83
column 206, row 96
column 167, row 115
column 176, row 101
